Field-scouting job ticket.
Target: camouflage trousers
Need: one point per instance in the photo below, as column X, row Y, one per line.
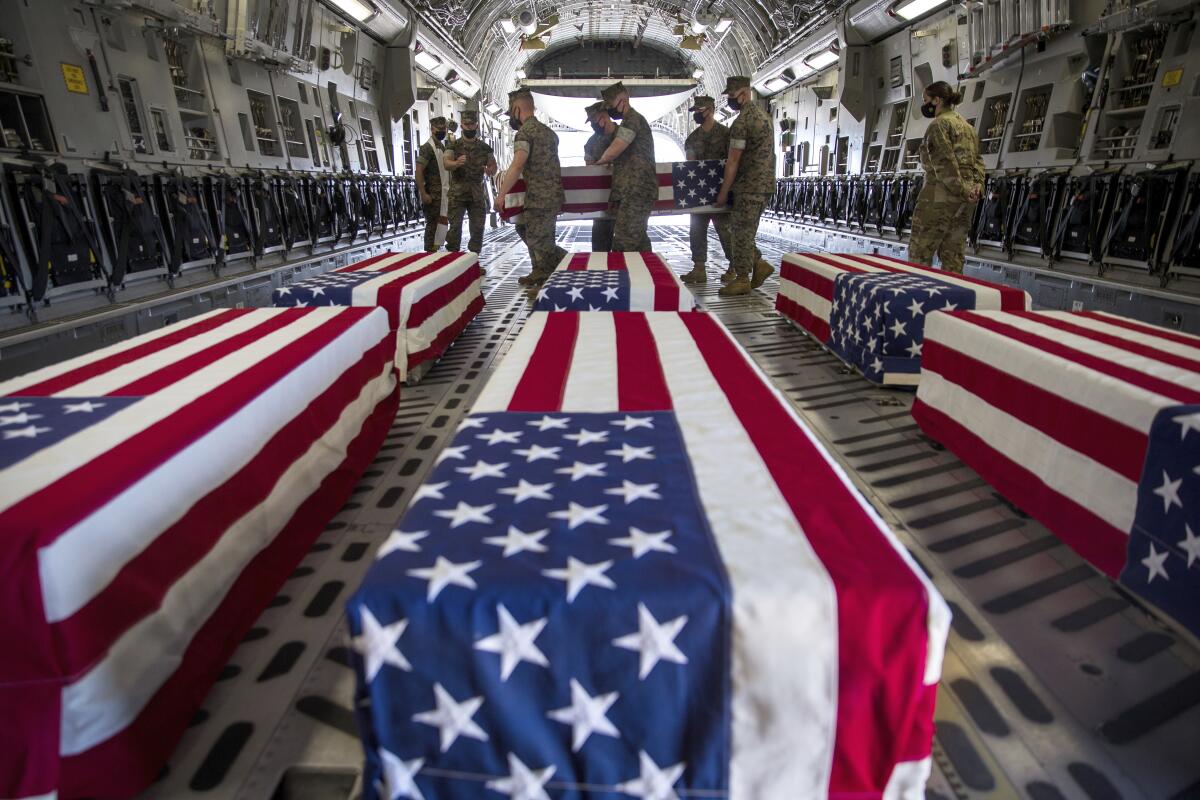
column 631, row 217
column 939, row 227
column 463, row 199
column 743, row 230
column 544, row 253
column 602, row 235
column 699, row 235
column 431, row 223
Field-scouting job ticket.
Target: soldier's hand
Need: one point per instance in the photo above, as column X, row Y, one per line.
column 722, row 198
column 426, row 198
column 460, row 160
column 498, row 206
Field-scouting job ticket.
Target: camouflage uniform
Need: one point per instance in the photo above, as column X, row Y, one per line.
column 430, row 159
column 953, row 167
column 634, row 181
column 467, row 192
column 543, row 194
column 702, row 145
column 602, row 229
column 754, row 185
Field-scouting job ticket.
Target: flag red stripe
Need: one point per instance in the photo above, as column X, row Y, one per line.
column 1101, row 365
column 1149, row 330
column 102, row 365
column 545, row 377
column 447, row 335
column 882, row 606
column 814, row 281
column 442, row 296
column 399, row 265
column 367, row 263
column 835, row 264
column 1011, row 299
column 129, row 761
column 804, row 317
column 138, row 588
column 1086, row 533
column 579, row 261
column 1137, row 348
column 616, row 261
column 188, row 365
column 641, row 384
column 666, row 285
column 1102, row 439
column 112, row 472
column 387, row 296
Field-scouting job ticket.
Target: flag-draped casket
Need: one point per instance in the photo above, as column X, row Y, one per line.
column 634, row 570
column 684, row 187
column 870, row 310
column 429, row 298
column 614, row 282
column 153, row 497
column 1088, row 421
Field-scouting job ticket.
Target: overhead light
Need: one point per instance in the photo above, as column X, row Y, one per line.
column 911, row 9
column 427, row 60
column 493, row 107
column 776, row 85
column 508, row 25
column 697, row 26
column 526, row 21
column 723, row 25
column 464, row 87
column 520, row 74
column 822, row 59
column 698, row 74
column 360, row 10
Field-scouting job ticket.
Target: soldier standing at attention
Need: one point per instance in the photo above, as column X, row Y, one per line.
column 750, row 174
column 953, row 182
column 535, row 158
column 429, row 181
column 634, row 180
column 708, row 142
column 603, row 130
column 468, row 162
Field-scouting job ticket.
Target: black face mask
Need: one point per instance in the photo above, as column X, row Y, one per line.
column 514, row 123
column 929, row 110
column 734, row 104
column 439, row 135
column 470, row 134
column 699, row 117
column 615, row 114
column 597, row 127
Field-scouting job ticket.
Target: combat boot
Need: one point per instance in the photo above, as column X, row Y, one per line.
column 527, row 280
column 738, row 286
column 762, row 271
column 728, row 275
column 698, row 275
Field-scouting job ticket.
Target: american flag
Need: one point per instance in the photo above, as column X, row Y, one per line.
column 1084, row 420
column 429, row 298
column 153, row 496
column 635, row 572
column 614, row 282
column 1163, row 560
column 888, row 301
column 689, row 186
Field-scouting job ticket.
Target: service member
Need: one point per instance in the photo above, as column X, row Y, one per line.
column 634, row 180
column 708, row 142
column 468, row 161
column 603, row 130
column 953, row 182
column 431, row 181
column 535, row 158
column 750, row 175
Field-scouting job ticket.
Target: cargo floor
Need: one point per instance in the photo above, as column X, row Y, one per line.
column 1055, row 684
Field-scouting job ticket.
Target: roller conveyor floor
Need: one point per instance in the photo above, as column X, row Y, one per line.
column 1055, row 685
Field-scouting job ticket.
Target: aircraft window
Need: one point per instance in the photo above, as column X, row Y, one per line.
column 24, row 123
column 161, row 136
column 132, row 104
column 289, row 120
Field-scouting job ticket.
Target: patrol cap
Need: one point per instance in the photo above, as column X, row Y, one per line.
column 613, row 92
column 703, row 101
column 438, row 122
column 594, row 109
column 470, row 117
column 735, row 83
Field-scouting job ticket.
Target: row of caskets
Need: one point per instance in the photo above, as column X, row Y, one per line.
column 100, row 229
column 1147, row 220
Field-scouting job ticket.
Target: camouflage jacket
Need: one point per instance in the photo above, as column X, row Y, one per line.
column 595, row 146
column 634, row 175
column 470, row 174
column 702, row 145
column 542, row 172
column 950, row 156
column 428, row 157
column 752, row 134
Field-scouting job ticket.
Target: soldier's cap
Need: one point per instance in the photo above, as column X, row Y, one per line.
column 452, row 125
column 735, row 83
column 594, row 109
column 470, row 117
column 438, row 122
column 613, row 92
column 703, row 101
column 519, row 94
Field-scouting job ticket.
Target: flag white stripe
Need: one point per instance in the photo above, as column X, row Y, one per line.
column 414, row 340
column 54, row 370
column 806, row 298
column 422, row 287
column 641, row 285
column 77, row 565
column 498, row 392
column 986, row 297
column 774, row 576
column 596, row 261
column 1129, row 335
column 1109, row 495
column 58, row 460
column 111, row 694
column 592, row 379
